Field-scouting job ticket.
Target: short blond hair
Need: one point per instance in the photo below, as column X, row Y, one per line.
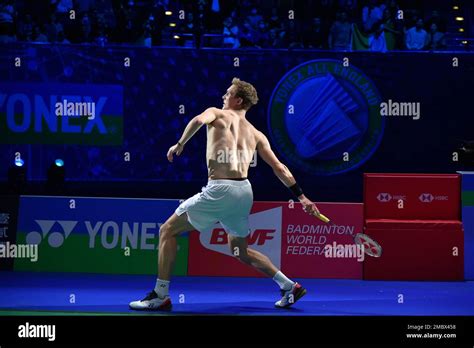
column 246, row 91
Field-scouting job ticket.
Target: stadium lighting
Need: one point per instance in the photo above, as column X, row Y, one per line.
column 459, row 19
column 56, row 175
column 172, row 24
column 17, row 176
column 168, row 13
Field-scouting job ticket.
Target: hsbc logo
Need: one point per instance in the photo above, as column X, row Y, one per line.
column 387, row 197
column 265, row 235
column 428, row 198
column 384, row 197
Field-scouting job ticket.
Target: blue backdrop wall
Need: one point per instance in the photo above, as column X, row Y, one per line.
column 140, row 114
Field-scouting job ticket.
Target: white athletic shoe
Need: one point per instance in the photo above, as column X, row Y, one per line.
column 152, row 303
column 290, row 296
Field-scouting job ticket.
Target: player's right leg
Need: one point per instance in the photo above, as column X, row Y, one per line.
column 290, row 291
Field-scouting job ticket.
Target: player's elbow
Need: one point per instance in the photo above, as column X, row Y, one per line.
column 279, row 169
column 199, row 121
column 206, row 117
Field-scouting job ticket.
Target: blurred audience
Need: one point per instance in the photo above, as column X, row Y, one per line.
column 318, row 24
column 53, row 28
column 377, row 40
column 315, row 37
column 393, row 28
column 416, row 37
column 38, row 35
column 436, row 39
column 231, row 34
column 340, row 33
column 372, row 14
column 292, row 34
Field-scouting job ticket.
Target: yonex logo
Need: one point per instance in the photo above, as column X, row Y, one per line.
column 426, row 197
column 111, row 234
column 384, row 197
column 49, row 229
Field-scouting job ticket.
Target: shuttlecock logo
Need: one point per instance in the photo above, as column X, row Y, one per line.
column 324, row 117
column 325, row 125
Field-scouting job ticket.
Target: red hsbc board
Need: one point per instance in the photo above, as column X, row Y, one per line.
column 291, row 238
column 412, row 196
column 416, row 250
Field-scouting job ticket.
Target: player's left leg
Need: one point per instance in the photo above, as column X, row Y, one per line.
column 290, row 291
column 158, row 298
column 173, row 227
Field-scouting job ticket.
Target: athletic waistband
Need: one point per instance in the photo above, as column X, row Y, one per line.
column 235, row 179
column 233, row 182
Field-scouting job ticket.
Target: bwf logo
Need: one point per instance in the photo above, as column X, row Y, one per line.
column 264, row 236
column 257, row 237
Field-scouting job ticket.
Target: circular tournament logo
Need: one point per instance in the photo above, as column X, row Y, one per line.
column 325, row 118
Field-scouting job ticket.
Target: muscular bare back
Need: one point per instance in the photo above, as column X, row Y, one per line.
column 232, row 142
column 231, row 145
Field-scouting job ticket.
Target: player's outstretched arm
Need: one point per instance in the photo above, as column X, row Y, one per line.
column 193, row 126
column 283, row 173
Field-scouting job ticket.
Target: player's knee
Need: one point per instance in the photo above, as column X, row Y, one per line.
column 165, row 231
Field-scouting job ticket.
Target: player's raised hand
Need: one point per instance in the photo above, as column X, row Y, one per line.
column 175, row 149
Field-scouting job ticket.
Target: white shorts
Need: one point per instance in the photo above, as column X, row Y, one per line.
column 225, row 201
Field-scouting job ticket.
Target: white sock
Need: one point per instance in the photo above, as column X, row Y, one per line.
column 283, row 281
column 162, row 287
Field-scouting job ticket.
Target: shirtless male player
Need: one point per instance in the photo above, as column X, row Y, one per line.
column 228, row 196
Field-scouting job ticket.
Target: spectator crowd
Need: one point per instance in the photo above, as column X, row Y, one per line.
column 376, row 25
